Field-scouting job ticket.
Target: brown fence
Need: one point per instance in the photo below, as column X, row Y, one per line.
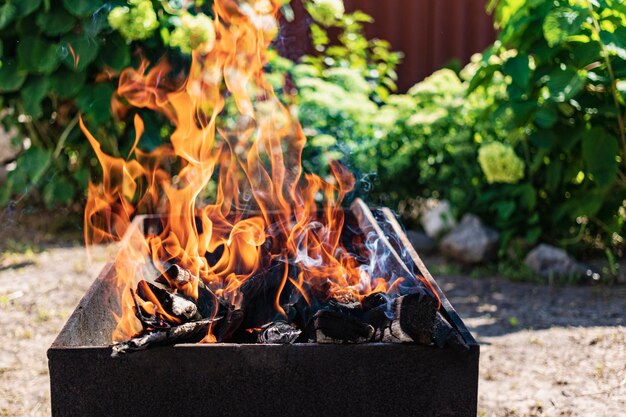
column 431, row 33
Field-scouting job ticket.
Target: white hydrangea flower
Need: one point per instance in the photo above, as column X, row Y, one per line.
column 326, row 11
column 195, row 33
column 500, row 163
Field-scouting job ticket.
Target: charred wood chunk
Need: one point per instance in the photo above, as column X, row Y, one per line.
column 409, row 318
column 180, row 306
column 210, row 305
column 175, row 277
column 335, row 326
column 190, row 332
column 148, row 321
column 445, row 335
column 260, row 292
column 279, row 332
column 229, row 325
column 414, row 315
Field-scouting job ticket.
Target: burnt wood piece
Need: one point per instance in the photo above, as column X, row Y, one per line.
column 176, row 276
column 414, row 316
column 445, row 335
column 209, row 305
column 337, row 327
column 184, row 332
column 279, row 332
column 180, row 306
column 405, row 319
column 229, row 325
column 259, row 293
column 148, row 321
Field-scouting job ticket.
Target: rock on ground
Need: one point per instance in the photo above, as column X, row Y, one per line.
column 546, row 260
column 421, row 242
column 437, row 218
column 470, row 242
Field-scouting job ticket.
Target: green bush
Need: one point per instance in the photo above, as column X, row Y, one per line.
column 549, row 92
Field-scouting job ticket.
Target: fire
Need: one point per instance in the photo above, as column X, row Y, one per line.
column 264, row 210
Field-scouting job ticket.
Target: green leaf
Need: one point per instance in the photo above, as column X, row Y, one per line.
column 518, row 67
column 66, row 83
column 546, row 117
column 561, row 23
column 33, row 92
column 528, row 196
column 553, row 175
column 543, row 138
column 586, row 53
column 599, row 151
column 55, row 22
column 80, row 51
column 11, row 77
column 95, row 102
column 34, row 162
column 26, row 7
column 7, row 13
column 505, row 209
column 82, row 8
column 615, row 42
column 58, row 191
column 115, row 53
column 565, row 84
column 37, row 55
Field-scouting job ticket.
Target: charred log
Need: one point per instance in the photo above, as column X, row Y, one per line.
column 335, row 326
column 279, row 332
column 188, row 332
column 229, row 325
column 180, row 306
column 410, row 318
column 148, row 321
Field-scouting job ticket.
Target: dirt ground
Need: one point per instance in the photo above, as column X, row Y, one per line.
column 545, row 351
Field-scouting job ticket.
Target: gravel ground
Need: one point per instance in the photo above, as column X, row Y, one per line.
column 545, row 351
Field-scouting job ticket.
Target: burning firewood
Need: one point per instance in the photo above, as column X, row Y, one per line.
column 185, row 332
column 178, row 305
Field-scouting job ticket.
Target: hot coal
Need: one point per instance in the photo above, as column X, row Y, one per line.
column 279, row 332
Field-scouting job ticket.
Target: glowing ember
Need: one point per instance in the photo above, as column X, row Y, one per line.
column 266, row 220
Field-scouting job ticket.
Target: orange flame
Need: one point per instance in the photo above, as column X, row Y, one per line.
column 257, row 161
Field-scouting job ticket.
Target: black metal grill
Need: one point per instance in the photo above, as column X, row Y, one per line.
column 239, row 380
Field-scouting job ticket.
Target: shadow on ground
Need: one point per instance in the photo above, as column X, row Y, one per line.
column 494, row 306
